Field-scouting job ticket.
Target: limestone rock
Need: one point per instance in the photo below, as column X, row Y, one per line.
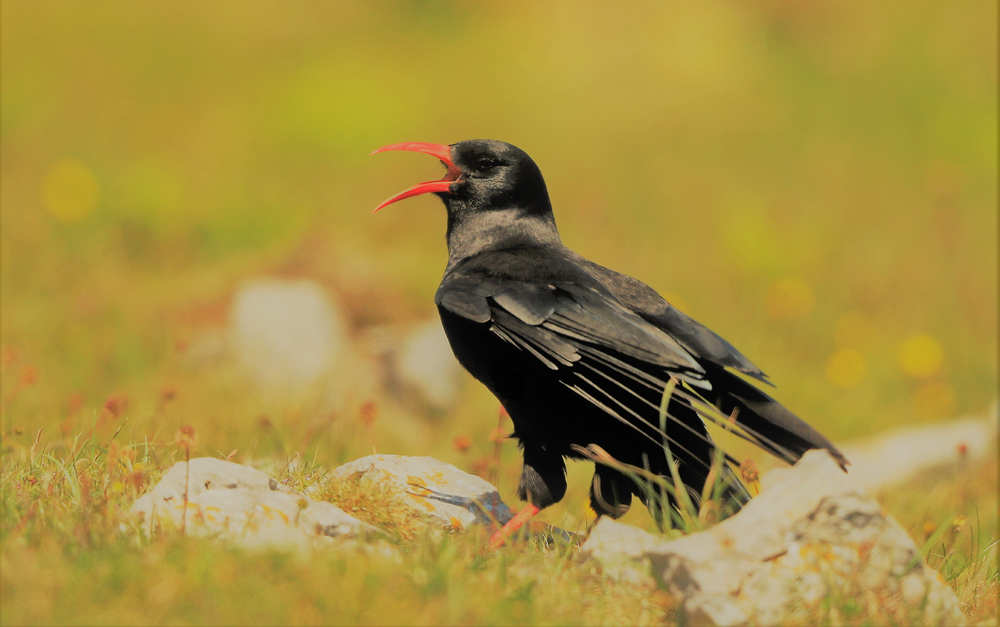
column 287, row 334
column 447, row 497
column 621, row 550
column 242, row 504
column 896, row 456
column 424, row 365
column 416, row 363
column 811, row 536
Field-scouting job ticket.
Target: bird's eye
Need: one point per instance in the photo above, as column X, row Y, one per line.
column 486, row 163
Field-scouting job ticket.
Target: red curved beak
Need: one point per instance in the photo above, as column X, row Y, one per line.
column 440, row 151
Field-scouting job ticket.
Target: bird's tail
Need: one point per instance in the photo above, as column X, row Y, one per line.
column 765, row 421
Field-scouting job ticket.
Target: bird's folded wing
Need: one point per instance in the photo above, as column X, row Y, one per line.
column 602, row 351
column 560, row 322
column 703, row 342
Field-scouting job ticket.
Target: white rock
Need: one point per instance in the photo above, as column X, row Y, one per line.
column 809, row 536
column 447, row 497
column 241, row 504
column 898, row 455
column 425, row 365
column 621, row 549
column 287, row 334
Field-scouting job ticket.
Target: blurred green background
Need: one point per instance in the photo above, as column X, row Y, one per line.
column 815, row 181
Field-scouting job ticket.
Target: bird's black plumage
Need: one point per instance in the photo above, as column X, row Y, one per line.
column 579, row 354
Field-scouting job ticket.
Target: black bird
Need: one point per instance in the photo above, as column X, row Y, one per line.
column 579, row 354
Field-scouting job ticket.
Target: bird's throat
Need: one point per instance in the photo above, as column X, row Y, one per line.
column 474, row 232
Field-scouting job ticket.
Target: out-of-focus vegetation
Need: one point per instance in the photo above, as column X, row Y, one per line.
column 815, row 181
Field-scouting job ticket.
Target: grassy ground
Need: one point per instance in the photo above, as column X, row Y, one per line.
column 817, row 183
column 70, row 555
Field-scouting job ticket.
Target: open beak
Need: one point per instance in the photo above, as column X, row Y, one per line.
column 440, row 151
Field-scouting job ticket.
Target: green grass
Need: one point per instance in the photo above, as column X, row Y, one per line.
column 817, row 183
column 72, row 555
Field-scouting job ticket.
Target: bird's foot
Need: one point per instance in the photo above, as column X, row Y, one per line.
column 515, row 523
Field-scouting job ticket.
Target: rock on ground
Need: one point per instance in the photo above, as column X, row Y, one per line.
column 442, row 494
column 416, row 363
column 898, row 455
column 287, row 334
column 620, row 550
column 424, row 365
column 242, row 504
column 810, row 537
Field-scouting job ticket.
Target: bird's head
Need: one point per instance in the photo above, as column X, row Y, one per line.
column 487, row 182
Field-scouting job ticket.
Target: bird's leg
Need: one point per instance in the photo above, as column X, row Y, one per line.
column 610, row 492
column 512, row 525
column 543, row 482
